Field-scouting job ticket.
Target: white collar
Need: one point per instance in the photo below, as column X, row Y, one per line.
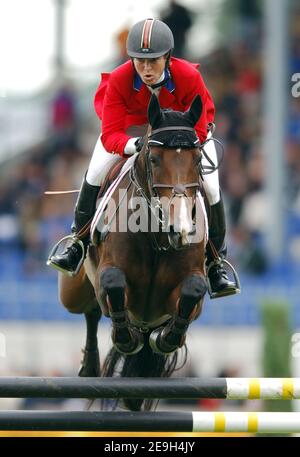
column 156, row 91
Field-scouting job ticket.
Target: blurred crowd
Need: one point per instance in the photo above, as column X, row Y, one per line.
column 32, row 221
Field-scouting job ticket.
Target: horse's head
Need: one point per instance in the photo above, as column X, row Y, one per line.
column 173, row 160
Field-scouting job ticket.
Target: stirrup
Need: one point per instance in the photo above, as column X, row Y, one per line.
column 236, row 289
column 54, row 250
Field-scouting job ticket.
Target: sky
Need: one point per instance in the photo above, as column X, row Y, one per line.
column 27, row 36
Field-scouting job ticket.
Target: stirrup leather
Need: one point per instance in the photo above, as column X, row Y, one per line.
column 236, row 289
column 53, row 252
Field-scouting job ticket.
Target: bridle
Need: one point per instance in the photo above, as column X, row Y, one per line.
column 178, row 190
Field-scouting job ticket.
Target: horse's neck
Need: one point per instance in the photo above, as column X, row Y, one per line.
column 141, row 170
column 141, row 166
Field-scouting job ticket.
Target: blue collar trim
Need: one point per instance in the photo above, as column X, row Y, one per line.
column 137, row 82
column 169, row 85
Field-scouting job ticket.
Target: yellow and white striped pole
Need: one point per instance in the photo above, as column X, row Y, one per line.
column 260, row 422
column 263, row 388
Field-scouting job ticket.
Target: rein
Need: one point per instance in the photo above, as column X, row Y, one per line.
column 154, row 209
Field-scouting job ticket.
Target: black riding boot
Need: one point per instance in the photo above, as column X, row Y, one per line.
column 71, row 259
column 219, row 283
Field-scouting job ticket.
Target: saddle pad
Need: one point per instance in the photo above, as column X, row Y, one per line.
column 96, row 222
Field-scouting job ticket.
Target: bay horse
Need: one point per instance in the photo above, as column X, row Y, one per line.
column 151, row 283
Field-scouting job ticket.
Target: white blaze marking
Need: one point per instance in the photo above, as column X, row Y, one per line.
column 184, row 220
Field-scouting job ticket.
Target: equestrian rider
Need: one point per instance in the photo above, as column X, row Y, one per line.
column 121, row 101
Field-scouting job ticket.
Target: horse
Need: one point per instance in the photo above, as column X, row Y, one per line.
column 151, row 283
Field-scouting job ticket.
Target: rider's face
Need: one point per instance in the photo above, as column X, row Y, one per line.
column 150, row 70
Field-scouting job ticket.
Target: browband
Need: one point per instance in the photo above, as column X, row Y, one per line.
column 170, row 129
column 174, row 137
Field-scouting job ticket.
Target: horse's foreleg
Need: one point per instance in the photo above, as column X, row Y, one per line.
column 171, row 337
column 126, row 338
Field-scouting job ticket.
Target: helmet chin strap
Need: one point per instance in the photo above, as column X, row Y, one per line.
column 161, row 83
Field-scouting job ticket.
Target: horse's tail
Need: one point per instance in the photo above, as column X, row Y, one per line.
column 144, row 364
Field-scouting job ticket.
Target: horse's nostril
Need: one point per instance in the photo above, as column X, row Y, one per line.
column 194, row 212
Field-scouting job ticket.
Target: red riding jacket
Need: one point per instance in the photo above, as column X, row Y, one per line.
column 122, row 100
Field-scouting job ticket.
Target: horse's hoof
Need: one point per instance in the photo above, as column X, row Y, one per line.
column 90, row 365
column 134, row 346
column 158, row 345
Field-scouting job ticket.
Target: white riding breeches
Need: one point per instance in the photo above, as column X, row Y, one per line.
column 100, row 164
column 102, row 161
column 211, row 180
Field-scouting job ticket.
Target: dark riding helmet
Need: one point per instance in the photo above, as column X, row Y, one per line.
column 149, row 39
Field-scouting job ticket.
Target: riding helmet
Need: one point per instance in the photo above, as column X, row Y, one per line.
column 149, row 39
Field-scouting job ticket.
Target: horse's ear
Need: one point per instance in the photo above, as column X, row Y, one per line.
column 195, row 110
column 154, row 112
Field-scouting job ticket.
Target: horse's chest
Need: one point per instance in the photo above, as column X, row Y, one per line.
column 168, row 274
column 165, row 282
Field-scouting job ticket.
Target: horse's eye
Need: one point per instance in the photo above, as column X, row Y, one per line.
column 155, row 160
column 198, row 159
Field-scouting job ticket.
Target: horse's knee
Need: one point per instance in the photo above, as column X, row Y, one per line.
column 192, row 292
column 113, row 282
column 193, row 288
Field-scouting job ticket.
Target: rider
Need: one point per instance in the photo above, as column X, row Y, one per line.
column 121, row 102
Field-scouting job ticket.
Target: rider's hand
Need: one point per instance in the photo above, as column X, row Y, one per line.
column 134, row 145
